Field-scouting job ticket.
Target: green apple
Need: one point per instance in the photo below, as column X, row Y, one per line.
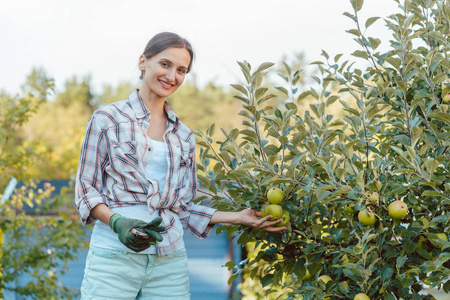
column 273, row 209
column 361, row 296
column 398, row 209
column 263, row 211
column 366, row 217
column 350, row 208
column 374, row 197
column 442, row 236
column 446, row 98
column 446, row 84
column 275, row 195
column 285, row 216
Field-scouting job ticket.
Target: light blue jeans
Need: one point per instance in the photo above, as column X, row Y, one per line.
column 112, row 274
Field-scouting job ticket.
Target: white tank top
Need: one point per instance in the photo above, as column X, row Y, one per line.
column 103, row 236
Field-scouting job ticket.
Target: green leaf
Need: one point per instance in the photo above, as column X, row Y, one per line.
column 337, row 57
column 283, row 90
column 323, row 210
column 374, row 43
column 395, row 62
column 303, row 95
column 247, row 165
column 389, row 297
column 432, row 164
column 399, row 151
column 232, row 278
column 230, row 265
column 344, row 286
column 446, row 286
column 295, row 161
column 362, row 54
column 325, row 187
column 349, row 15
column 211, row 128
column 245, row 68
column 440, row 219
column 401, row 261
column 387, row 274
column 353, row 272
column 260, row 92
column 354, row 32
column 263, row 67
column 441, row 259
column 357, row 4
column 424, row 253
column 240, row 88
column 430, row 193
column 360, row 179
column 370, row 21
column 444, row 117
column 266, row 280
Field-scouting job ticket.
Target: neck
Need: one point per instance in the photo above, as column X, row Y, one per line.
column 154, row 104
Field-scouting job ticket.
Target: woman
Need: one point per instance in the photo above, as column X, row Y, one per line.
column 137, row 177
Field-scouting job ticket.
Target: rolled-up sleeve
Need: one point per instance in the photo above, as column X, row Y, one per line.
column 89, row 181
column 194, row 217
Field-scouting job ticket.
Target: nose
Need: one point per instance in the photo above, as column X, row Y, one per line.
column 170, row 74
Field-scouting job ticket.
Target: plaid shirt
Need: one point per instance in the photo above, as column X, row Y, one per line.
column 113, row 157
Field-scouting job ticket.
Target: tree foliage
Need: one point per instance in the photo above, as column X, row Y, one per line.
column 77, row 91
column 394, row 141
column 40, row 244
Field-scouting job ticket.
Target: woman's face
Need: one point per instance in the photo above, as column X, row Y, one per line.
column 164, row 72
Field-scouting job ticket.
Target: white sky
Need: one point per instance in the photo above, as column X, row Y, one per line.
column 104, row 38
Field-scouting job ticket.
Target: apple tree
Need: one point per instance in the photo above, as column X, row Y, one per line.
column 339, row 175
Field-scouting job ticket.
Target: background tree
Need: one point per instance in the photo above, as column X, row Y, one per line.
column 112, row 94
column 198, row 107
column 79, row 91
column 339, row 176
column 40, row 244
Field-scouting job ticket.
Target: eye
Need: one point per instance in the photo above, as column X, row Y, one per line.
column 182, row 71
column 164, row 64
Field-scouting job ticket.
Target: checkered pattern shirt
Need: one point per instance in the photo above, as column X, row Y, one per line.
column 113, row 157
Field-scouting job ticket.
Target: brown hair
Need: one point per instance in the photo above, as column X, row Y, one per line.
column 164, row 40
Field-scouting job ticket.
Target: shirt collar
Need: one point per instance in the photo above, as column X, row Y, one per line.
column 141, row 110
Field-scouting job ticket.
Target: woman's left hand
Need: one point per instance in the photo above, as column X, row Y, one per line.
column 252, row 218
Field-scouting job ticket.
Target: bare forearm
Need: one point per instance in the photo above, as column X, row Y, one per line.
column 102, row 212
column 229, row 217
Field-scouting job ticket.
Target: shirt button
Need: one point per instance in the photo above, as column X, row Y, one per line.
column 149, row 149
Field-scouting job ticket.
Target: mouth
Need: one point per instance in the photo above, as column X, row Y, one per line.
column 165, row 84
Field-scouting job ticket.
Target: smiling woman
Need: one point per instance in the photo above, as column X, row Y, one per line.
column 137, row 177
column 165, row 70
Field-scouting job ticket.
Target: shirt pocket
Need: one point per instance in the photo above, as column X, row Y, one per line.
column 125, row 156
column 184, row 168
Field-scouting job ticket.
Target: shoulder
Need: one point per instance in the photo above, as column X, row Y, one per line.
column 185, row 133
column 113, row 113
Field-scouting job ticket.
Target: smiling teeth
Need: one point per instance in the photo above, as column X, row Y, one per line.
column 166, row 84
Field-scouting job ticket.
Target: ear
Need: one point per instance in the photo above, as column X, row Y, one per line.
column 142, row 60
